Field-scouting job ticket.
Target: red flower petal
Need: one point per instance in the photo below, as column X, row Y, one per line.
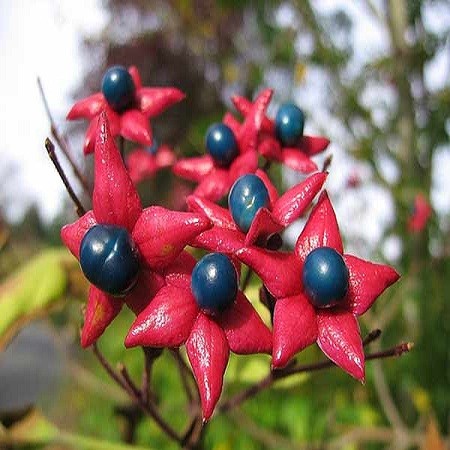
column 312, row 145
column 271, row 189
column 321, row 229
column 294, row 202
column 214, row 185
column 270, row 148
column 165, row 156
column 208, row 352
column 294, row 328
column 215, row 213
column 161, row 234
column 367, row 281
column 340, row 340
column 244, row 106
column 262, row 227
column 219, row 239
column 134, row 126
column 167, row 320
column 245, row 331
column 248, row 133
column 194, row 169
column 115, row 199
column 87, row 108
column 141, row 165
column 73, row 233
column 279, row 271
column 134, row 72
column 243, row 164
column 230, row 121
column 295, row 159
column 153, row 101
column 179, row 272
column 147, row 286
column 101, row 309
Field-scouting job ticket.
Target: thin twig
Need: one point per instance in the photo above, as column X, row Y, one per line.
column 127, row 378
column 51, row 153
column 61, row 140
column 148, row 408
column 372, row 336
column 185, row 372
column 279, row 374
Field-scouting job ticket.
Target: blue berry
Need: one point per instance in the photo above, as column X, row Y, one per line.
column 289, row 123
column 118, row 88
column 221, row 144
column 214, row 283
column 109, row 259
column 325, row 277
column 247, row 195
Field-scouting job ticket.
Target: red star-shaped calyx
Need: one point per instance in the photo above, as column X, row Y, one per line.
column 173, row 318
column 158, row 234
column 298, row 156
column 226, row 237
column 143, row 163
column 214, row 180
column 133, row 122
column 420, row 214
column 297, row 323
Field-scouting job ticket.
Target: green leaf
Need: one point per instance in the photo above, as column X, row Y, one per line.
column 32, row 290
column 35, row 430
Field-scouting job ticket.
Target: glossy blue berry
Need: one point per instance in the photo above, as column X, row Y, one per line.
column 118, row 88
column 109, row 259
column 214, row 283
column 221, row 144
column 325, row 277
column 289, row 123
column 247, row 195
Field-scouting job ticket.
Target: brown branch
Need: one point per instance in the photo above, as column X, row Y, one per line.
column 52, row 155
column 293, row 369
column 62, row 141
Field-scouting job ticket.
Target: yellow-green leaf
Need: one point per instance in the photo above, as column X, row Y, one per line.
column 32, row 290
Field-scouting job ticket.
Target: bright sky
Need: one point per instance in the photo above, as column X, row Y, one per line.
column 37, row 38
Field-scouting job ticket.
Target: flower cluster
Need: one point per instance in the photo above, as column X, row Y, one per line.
column 137, row 256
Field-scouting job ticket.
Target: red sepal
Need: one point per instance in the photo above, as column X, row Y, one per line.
column 321, row 229
column 87, row 108
column 217, row 239
column 279, row 271
column 161, row 234
column 134, row 126
column 214, row 185
column 294, row 328
column 311, row 145
column 294, row 202
column 216, row 214
column 297, row 160
column 208, row 353
column 339, row 338
column 245, row 331
column 167, row 320
column 193, row 169
column 115, row 199
column 263, row 225
column 73, row 233
column 366, row 282
column 101, row 309
column 153, row 101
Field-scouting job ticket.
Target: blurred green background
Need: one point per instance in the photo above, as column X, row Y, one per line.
column 364, row 72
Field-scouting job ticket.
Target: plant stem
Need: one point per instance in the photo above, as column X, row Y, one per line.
column 61, row 140
column 279, row 374
column 51, row 153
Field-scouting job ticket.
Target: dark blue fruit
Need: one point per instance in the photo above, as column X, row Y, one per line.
column 152, row 149
column 325, row 277
column 118, row 88
column 289, row 123
column 247, row 195
column 221, row 144
column 214, row 282
column 109, row 259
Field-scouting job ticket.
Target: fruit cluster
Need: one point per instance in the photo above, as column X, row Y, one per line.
column 137, row 256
